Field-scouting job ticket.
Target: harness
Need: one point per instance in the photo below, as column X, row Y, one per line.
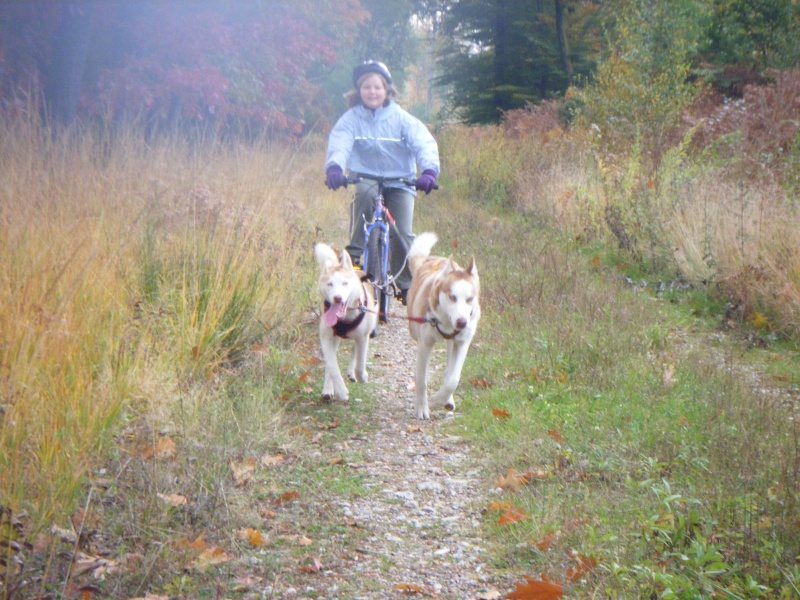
column 342, row 328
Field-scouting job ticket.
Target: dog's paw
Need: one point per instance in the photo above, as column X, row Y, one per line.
column 450, row 405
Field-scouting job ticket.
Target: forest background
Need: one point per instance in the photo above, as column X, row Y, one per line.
column 659, row 138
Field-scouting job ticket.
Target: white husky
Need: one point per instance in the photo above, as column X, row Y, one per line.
column 350, row 313
column 442, row 305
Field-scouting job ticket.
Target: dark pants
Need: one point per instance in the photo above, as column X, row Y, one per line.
column 400, row 203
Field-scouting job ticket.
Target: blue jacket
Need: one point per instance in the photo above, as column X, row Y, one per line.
column 389, row 143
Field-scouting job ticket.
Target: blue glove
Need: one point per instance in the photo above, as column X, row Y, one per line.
column 334, row 178
column 426, row 181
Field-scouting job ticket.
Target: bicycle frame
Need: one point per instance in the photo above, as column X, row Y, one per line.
column 383, row 221
column 385, row 278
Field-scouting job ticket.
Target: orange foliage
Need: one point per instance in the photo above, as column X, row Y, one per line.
column 537, row 589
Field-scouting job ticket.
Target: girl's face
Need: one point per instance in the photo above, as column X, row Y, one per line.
column 373, row 92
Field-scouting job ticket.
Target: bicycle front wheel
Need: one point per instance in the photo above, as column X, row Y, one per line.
column 377, row 262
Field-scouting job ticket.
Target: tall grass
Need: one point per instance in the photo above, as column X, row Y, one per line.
column 132, row 273
column 708, row 213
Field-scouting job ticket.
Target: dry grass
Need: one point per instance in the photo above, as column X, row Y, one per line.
column 135, row 279
column 718, row 209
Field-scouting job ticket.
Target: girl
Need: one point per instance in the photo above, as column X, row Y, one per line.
column 377, row 137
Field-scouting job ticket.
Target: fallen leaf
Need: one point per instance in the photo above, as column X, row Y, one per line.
column 197, row 545
column 243, row 472
column 163, row 448
column 584, row 566
column 209, row 557
column 287, row 497
column 174, row 499
column 314, row 567
column 479, row 383
column 536, row 589
column 414, row 429
column 535, row 475
column 512, row 517
column 272, row 460
column 246, row 584
column 595, row 262
column 268, row 514
column 511, row 481
column 546, row 541
column 304, row 377
column 490, row 595
column 304, row 541
column 410, row 589
column 253, row 536
column 99, row 567
column 500, row 506
column 500, row 414
column 555, row 435
column 335, row 460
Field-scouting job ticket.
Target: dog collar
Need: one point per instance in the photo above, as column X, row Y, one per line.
column 447, row 336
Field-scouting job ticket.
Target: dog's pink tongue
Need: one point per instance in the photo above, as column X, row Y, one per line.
column 334, row 313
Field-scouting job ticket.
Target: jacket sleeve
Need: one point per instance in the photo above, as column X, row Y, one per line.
column 340, row 141
column 423, row 145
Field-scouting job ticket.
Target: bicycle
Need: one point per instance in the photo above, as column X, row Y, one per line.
column 377, row 243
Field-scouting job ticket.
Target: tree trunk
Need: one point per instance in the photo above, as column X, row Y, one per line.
column 69, row 61
column 499, row 56
column 561, row 35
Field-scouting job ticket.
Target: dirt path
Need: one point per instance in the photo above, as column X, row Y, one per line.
column 420, row 526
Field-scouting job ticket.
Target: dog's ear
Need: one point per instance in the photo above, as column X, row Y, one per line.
column 472, row 269
column 325, row 255
column 346, row 261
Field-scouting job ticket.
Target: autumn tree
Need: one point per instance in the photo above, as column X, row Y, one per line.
column 226, row 66
column 642, row 83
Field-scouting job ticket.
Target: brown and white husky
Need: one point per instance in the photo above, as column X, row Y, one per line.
column 350, row 313
column 442, row 306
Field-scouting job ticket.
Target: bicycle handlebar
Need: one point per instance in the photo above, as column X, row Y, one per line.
column 358, row 178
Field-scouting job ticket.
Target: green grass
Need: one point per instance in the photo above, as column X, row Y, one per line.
column 661, row 453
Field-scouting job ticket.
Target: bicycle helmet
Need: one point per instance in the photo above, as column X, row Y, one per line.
column 371, row 66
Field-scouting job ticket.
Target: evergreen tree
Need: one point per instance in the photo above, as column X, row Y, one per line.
column 499, row 55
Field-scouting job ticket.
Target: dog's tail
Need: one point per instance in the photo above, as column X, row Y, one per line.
column 420, row 249
column 422, row 245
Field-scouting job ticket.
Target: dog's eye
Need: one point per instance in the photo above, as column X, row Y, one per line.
column 470, row 300
column 453, row 298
